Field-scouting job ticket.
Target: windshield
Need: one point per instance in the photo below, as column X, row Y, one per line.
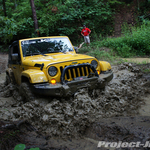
column 45, row 46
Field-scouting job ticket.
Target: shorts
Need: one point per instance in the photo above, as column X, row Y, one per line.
column 87, row 39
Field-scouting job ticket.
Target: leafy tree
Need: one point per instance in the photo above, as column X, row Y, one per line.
column 72, row 14
column 59, row 17
column 8, row 29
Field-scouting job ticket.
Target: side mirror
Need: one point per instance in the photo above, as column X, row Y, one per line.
column 76, row 49
column 14, row 57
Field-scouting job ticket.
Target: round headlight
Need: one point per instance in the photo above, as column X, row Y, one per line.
column 94, row 63
column 52, row 71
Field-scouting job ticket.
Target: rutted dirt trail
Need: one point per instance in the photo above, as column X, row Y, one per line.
column 138, row 60
column 82, row 116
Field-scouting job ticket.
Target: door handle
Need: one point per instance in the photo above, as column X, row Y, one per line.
column 14, row 67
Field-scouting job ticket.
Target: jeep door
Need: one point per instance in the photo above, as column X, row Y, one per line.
column 15, row 61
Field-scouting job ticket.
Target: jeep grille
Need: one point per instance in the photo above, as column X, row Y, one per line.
column 75, row 71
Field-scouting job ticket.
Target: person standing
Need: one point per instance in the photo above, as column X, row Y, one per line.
column 85, row 33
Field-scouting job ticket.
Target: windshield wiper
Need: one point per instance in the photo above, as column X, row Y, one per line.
column 54, row 52
column 35, row 54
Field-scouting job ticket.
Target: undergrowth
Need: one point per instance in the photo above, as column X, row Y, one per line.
column 133, row 42
column 101, row 53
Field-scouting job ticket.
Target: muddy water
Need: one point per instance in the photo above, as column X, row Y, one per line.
column 71, row 117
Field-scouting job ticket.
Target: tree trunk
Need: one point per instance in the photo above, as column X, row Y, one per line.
column 4, row 8
column 15, row 4
column 34, row 15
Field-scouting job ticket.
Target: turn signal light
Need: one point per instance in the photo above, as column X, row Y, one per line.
column 53, row 81
column 98, row 72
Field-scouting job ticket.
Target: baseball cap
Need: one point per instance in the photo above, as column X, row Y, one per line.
column 84, row 25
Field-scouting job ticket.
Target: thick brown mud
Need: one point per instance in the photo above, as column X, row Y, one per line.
column 79, row 122
column 123, row 96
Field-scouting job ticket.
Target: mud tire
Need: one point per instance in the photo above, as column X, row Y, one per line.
column 26, row 92
column 10, row 78
column 7, row 80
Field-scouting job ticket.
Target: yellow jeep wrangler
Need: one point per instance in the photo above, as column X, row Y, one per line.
column 51, row 66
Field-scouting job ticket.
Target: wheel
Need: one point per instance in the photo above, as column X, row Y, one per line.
column 26, row 92
column 10, row 78
column 7, row 80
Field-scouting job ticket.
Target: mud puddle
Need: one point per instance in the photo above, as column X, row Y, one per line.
column 65, row 121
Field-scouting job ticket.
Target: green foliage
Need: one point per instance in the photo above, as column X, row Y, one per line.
column 114, row 2
column 34, row 149
column 72, row 14
column 101, row 55
column 67, row 19
column 8, row 28
column 22, row 147
column 97, row 51
column 134, row 43
column 84, row 50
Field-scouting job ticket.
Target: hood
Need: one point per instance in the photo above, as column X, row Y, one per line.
column 53, row 58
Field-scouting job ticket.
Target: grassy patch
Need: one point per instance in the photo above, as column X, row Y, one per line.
column 101, row 53
column 132, row 43
column 143, row 62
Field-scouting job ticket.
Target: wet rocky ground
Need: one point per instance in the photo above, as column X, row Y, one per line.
column 81, row 121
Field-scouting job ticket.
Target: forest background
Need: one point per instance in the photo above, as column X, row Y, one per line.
column 119, row 27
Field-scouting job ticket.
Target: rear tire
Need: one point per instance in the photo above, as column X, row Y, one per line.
column 10, row 78
column 26, row 92
column 7, row 80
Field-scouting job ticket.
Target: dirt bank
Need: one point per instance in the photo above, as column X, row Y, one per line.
column 63, row 121
column 137, row 60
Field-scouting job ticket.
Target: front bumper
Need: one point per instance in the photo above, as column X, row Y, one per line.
column 64, row 90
